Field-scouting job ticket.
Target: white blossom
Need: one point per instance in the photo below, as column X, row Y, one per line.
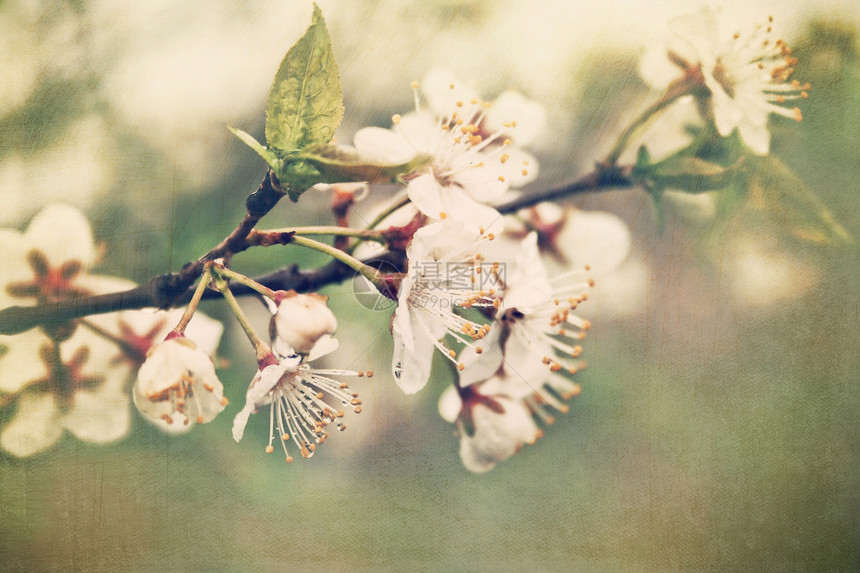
column 747, row 73
column 49, row 262
column 302, row 402
column 449, row 269
column 177, row 384
column 493, row 425
column 472, row 158
column 75, row 387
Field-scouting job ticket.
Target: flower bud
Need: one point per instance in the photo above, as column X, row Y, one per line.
column 177, row 385
column 299, row 322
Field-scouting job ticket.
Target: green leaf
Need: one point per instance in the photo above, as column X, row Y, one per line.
column 267, row 155
column 305, row 104
column 643, row 161
column 656, row 194
column 296, row 177
column 774, row 190
column 692, row 174
column 338, row 164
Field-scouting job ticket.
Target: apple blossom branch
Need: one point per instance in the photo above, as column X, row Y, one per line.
column 175, row 289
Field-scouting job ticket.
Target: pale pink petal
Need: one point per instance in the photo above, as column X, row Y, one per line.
column 20, row 363
column 440, row 97
column 450, row 404
column 383, row 146
column 99, row 417
column 35, row 426
column 62, row 234
column 510, row 107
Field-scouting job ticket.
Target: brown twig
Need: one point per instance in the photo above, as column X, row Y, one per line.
column 174, row 289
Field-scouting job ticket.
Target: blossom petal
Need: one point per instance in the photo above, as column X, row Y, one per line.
column 497, row 436
column 384, row 146
column 20, row 363
column 34, row 428
column 258, row 392
column 99, row 417
column 530, row 117
column 595, row 238
column 412, row 359
column 479, row 367
column 756, row 137
column 440, row 96
column 62, row 233
column 528, row 280
column 450, row 404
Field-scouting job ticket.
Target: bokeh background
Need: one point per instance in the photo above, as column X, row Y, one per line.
column 718, row 426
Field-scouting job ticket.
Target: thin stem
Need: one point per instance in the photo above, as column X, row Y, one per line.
column 402, row 202
column 224, row 272
column 369, row 272
column 396, row 205
column 367, row 234
column 673, row 92
column 127, row 348
column 195, row 300
column 261, row 348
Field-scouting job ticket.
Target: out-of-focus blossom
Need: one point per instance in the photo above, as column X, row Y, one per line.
column 473, row 161
column 572, row 238
column 760, row 273
column 448, row 269
column 493, row 425
column 747, row 74
column 74, row 386
column 49, row 262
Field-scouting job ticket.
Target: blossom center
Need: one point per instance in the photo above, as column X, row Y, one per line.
column 49, row 283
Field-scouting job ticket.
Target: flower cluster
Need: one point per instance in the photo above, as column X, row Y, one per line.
column 73, row 376
column 497, row 296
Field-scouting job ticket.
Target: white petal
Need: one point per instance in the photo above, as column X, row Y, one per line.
column 527, row 279
column 20, row 363
column 529, row 116
column 436, row 88
column 263, row 383
column 756, row 137
column 479, row 367
column 450, row 404
column 595, row 238
column 99, row 417
column 62, row 234
column 326, row 344
column 727, row 113
column 412, row 360
column 35, row 426
column 524, row 353
column 457, row 206
column 384, row 146
column 497, row 436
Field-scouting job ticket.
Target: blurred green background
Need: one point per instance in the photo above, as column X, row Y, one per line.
column 716, row 431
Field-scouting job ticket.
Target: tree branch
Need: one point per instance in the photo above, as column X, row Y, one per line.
column 175, row 289
column 602, row 177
